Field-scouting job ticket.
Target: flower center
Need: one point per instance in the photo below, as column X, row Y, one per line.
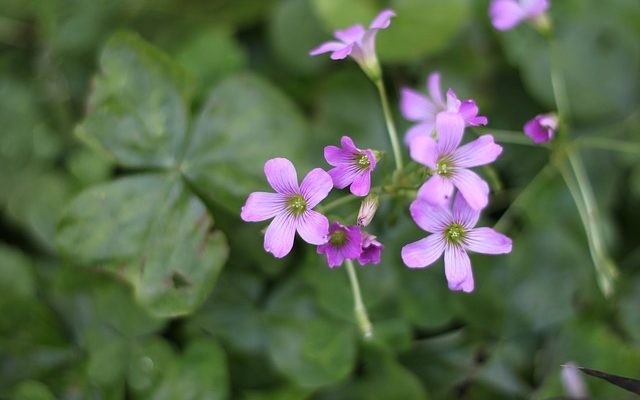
column 338, row 238
column 361, row 161
column 454, row 234
column 296, row 205
column 444, row 167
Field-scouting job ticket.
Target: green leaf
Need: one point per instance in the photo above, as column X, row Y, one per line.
column 201, row 373
column 137, row 111
column 32, row 390
column 337, row 14
column 307, row 346
column 153, row 232
column 245, row 122
column 17, row 278
column 148, row 361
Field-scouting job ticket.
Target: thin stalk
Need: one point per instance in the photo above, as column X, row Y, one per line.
column 391, row 128
column 603, row 143
column 337, row 202
column 360, row 311
column 558, row 83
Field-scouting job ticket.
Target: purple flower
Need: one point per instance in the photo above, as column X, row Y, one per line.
column 542, row 128
column 453, row 232
column 450, row 163
column 344, row 243
column 371, row 250
column 506, row 14
column 357, row 42
column 424, row 109
column 352, row 166
column 290, row 207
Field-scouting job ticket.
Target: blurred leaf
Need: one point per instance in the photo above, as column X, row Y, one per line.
column 137, row 111
column 32, row 390
column 151, row 230
column 337, row 14
column 17, row 278
column 148, row 361
column 308, row 347
column 224, row 160
column 201, row 373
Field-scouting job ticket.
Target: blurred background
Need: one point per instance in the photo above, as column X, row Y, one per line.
column 83, row 221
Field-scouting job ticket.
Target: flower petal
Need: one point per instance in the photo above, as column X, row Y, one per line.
column 351, row 34
column 469, row 111
column 424, row 150
column 414, row 106
column 450, row 128
column 327, row 47
column 278, row 240
column 353, row 246
column 463, row 213
column 348, row 145
column 262, row 205
column 457, row 268
column 336, row 156
column 473, row 188
column 316, row 186
column 424, row 252
column 281, row 175
column 436, row 190
column 533, row 8
column 453, row 104
column 481, row 151
column 342, row 53
column 487, row 241
column 505, row 14
column 382, row 20
column 313, row 227
column 343, row 175
column 430, row 217
column 424, row 128
column 433, row 85
column 361, row 183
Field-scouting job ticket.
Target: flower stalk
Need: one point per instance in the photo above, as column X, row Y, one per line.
column 391, row 128
column 362, row 318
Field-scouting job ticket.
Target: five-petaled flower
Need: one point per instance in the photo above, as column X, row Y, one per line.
column 453, row 233
column 542, row 128
column 359, row 43
column 345, row 243
column 424, row 109
column 449, row 163
column 290, row 207
column 371, row 249
column 352, row 166
column 506, row 14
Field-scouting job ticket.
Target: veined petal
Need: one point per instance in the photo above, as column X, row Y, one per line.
column 424, row 252
column 457, row 268
column 336, row 156
column 281, row 175
column 450, row 128
column 487, row 241
column 343, row 175
column 278, row 239
column 424, row 150
column 430, row 217
column 316, row 186
column 262, row 205
column 313, row 227
column 481, row 151
column 327, row 47
column 361, row 183
column 342, row 53
column 436, row 190
column 351, row 34
column 348, row 145
column 382, row 20
column 505, row 14
column 416, row 107
column 473, row 188
column 433, row 85
column 463, row 213
column 469, row 111
column 453, row 104
column 424, row 128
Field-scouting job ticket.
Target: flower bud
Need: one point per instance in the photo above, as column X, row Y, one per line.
column 542, row 128
column 368, row 209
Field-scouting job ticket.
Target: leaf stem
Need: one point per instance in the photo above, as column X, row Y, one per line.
column 558, row 83
column 337, row 202
column 391, row 129
column 603, row 143
column 360, row 311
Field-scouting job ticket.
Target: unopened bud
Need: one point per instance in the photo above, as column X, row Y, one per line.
column 368, row 209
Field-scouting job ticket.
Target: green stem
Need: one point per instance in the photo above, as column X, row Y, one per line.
column 337, row 202
column 558, row 83
column 602, row 143
column 360, row 311
column 391, row 129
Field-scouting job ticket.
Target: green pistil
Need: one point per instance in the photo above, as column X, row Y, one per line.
column 296, row 205
column 338, row 238
column 444, row 167
column 454, row 234
column 362, row 161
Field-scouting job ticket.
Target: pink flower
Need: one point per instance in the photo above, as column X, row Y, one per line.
column 424, row 109
column 450, row 163
column 506, row 14
column 290, row 207
column 357, row 42
column 542, row 128
column 453, row 233
column 371, row 250
column 344, row 244
column 352, row 166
